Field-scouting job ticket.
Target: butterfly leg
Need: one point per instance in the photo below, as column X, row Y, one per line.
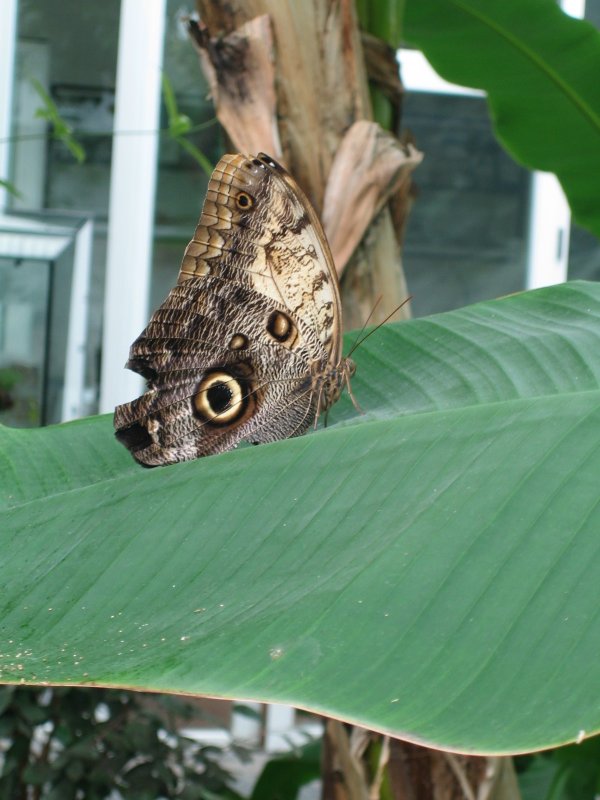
column 318, row 409
column 350, row 392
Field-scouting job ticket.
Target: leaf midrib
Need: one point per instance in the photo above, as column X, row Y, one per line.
column 398, row 418
column 540, row 63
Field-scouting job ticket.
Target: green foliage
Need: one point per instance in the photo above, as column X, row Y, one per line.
column 539, row 68
column 428, row 568
column 68, row 743
column 283, row 776
column 382, row 19
column 9, row 378
column 61, row 130
column 180, row 125
column 567, row 773
column 179, row 128
column 578, row 770
column 10, row 188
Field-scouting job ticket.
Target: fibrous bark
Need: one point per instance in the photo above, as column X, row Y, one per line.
column 310, row 58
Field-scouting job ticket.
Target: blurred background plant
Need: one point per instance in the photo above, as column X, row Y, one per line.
column 60, row 743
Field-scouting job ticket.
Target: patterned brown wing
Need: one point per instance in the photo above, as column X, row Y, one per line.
column 216, row 376
column 247, row 344
column 258, row 226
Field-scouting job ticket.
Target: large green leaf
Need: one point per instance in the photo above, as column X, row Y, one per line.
column 430, row 568
column 540, row 70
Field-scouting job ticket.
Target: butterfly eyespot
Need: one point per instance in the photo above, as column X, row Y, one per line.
column 238, row 342
column 244, row 200
column 281, row 327
column 220, row 398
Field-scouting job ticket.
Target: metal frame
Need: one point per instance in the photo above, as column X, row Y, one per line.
column 8, row 42
column 19, row 234
column 74, row 401
column 132, row 188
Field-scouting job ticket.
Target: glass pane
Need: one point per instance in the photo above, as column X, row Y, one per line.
column 584, row 255
column 70, row 48
column 465, row 237
column 182, row 182
column 24, row 292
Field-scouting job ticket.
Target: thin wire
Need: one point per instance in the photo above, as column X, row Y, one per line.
column 80, row 134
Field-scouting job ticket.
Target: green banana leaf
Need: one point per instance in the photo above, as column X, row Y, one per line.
column 540, row 70
column 429, row 568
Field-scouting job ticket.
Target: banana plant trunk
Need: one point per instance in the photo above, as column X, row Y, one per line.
column 290, row 79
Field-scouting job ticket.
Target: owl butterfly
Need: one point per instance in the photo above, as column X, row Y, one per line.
column 247, row 346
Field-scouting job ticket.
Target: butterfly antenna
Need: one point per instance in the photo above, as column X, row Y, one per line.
column 362, row 330
column 359, row 341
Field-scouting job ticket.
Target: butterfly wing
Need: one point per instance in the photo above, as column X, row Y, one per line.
column 258, row 225
column 231, row 353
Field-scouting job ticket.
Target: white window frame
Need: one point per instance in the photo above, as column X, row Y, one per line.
column 8, row 45
column 133, row 175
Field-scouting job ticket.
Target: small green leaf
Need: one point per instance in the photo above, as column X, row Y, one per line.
column 180, row 124
column 284, row 776
column 196, row 154
column 75, row 148
column 11, row 188
column 61, row 130
column 169, row 97
column 535, row 778
column 49, row 110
